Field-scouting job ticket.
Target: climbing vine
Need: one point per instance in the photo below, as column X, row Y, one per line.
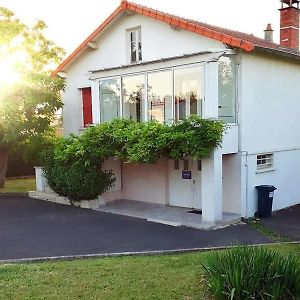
column 73, row 166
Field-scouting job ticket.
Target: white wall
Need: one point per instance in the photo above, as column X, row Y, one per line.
column 285, row 177
column 232, row 183
column 158, row 41
column 270, row 103
column 139, row 182
column 231, row 139
column 269, row 117
column 146, row 182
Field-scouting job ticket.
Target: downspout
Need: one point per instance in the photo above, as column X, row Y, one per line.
column 246, row 154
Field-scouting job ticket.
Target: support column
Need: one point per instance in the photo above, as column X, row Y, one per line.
column 211, row 181
column 95, row 101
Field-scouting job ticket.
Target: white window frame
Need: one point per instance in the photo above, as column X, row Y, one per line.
column 264, row 161
column 99, row 96
column 139, row 54
column 150, row 71
column 236, row 112
column 200, row 103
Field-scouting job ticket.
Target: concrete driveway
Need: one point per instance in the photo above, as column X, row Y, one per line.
column 32, row 228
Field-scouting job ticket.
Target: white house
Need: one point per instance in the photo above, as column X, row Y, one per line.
column 179, row 67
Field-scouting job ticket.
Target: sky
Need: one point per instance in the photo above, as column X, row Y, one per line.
column 70, row 22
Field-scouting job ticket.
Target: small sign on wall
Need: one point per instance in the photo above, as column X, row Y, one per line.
column 186, row 174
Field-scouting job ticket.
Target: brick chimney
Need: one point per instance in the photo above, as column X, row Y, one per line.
column 269, row 33
column 289, row 23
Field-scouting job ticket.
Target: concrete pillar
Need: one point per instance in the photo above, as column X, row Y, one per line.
column 211, row 181
column 211, row 167
column 40, row 179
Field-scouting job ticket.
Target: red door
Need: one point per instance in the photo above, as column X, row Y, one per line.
column 87, row 106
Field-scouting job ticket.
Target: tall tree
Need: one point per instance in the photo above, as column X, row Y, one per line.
column 29, row 96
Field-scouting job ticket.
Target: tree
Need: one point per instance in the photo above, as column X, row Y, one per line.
column 29, row 96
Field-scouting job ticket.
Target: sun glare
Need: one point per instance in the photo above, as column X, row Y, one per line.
column 9, row 74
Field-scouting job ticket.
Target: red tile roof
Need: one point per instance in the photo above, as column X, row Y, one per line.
column 232, row 38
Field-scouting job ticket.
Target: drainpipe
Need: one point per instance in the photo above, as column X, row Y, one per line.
column 247, row 180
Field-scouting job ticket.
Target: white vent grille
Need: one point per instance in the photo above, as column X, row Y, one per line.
column 264, row 161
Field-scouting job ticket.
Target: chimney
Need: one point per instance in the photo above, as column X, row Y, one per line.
column 269, row 33
column 289, row 23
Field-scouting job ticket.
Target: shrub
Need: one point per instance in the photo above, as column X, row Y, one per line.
column 68, row 174
column 253, row 273
column 73, row 166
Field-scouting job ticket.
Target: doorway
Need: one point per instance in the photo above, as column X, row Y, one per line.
column 185, row 183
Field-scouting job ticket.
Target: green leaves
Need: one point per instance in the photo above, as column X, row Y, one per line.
column 253, row 273
column 27, row 107
column 73, row 157
column 147, row 142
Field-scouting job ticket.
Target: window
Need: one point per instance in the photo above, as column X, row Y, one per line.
column 188, row 92
column 227, row 89
column 264, row 161
column 185, row 164
column 160, row 92
column 176, row 164
column 133, row 95
column 163, row 95
column 199, row 167
column 109, row 99
column 135, row 45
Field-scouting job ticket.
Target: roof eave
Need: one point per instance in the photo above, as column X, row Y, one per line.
column 90, row 38
column 160, row 16
column 278, row 52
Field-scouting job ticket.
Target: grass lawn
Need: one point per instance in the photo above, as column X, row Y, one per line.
column 18, row 185
column 152, row 277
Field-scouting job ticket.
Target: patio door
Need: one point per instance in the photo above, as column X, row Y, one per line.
column 185, row 183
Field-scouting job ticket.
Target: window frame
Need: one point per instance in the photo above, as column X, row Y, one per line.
column 143, row 111
column 264, row 161
column 118, row 78
column 137, row 31
column 236, row 90
column 145, row 116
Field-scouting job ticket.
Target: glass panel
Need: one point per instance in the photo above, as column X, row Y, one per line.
column 199, row 165
column 109, row 99
column 188, row 92
column 133, row 39
column 160, row 90
column 140, row 44
column 227, row 89
column 185, row 164
column 176, row 164
column 133, row 94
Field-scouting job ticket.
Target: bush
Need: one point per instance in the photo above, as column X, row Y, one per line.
column 73, row 166
column 70, row 176
column 253, row 273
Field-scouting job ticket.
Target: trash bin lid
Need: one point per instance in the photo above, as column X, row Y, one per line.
column 267, row 188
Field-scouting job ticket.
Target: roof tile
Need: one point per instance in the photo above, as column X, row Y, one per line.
column 233, row 38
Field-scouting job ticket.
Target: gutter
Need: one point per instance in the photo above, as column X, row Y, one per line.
column 280, row 52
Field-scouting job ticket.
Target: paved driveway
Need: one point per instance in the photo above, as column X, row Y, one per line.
column 32, row 228
column 285, row 222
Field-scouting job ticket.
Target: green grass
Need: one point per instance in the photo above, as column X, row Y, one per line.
column 253, row 273
column 152, row 277
column 18, row 185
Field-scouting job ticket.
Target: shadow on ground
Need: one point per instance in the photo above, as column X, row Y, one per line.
column 286, row 222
